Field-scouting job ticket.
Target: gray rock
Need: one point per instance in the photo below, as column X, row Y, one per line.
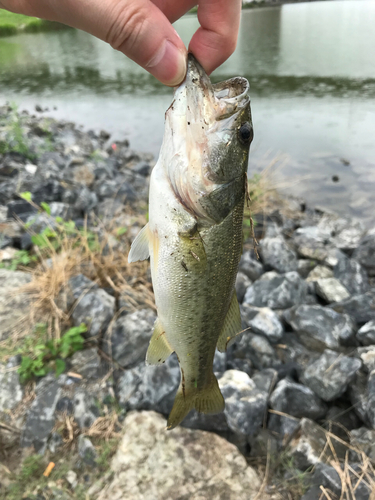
column 320, row 327
column 277, row 292
column 264, row 322
column 257, row 349
column 360, row 307
column 220, row 362
column 305, row 267
column 86, row 363
column 366, row 334
column 352, row 275
column 331, row 290
column 128, row 338
column 95, row 309
column 318, row 234
column 327, row 476
column 242, row 283
column 151, row 463
column 10, row 388
column 86, row 409
column 276, row 254
column 357, row 392
column 283, row 427
column 14, row 306
column 365, row 253
column 213, row 423
column 313, row 493
column 245, row 404
column 330, row 375
column 78, row 286
column 349, row 237
column 252, row 268
column 364, row 440
column 371, row 399
column 40, row 417
column 367, row 356
column 339, row 420
column 85, row 201
column 319, row 272
column 86, row 450
column 265, row 380
column 149, row 387
column 297, row 400
column 310, row 447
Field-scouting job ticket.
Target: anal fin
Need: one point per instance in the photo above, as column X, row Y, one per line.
column 159, row 349
column 140, row 246
column 232, row 325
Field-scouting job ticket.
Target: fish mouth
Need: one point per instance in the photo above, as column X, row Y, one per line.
column 216, row 101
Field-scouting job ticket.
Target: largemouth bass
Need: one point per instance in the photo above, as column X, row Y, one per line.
column 194, row 234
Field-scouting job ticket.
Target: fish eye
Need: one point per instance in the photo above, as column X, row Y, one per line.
column 246, row 133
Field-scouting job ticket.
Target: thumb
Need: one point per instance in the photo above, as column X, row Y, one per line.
column 135, row 27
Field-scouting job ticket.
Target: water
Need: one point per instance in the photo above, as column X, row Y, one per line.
column 312, row 72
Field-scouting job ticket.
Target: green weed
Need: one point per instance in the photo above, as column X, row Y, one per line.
column 48, row 355
column 21, row 258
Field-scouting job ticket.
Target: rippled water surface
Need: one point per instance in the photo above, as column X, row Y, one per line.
column 312, row 72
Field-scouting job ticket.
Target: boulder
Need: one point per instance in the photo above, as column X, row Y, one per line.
column 128, row 338
column 10, row 388
column 319, row 327
column 263, row 321
column 86, row 363
column 242, row 284
column 367, row 356
column 319, row 272
column 245, row 404
column 277, row 291
column 360, row 307
column 365, row 252
column 276, row 254
column 152, row 463
column 255, row 348
column 364, row 440
column 352, row 275
column 297, row 400
column 331, row 290
column 331, row 374
column 366, row 334
column 251, row 267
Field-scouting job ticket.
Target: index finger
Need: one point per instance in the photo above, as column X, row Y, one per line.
column 216, row 39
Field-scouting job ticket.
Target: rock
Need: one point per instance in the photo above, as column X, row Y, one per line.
column 78, row 286
column 365, row 252
column 264, row 322
column 10, row 388
column 364, row 440
column 65, row 405
column 276, row 291
column 357, row 392
column 331, row 290
column 327, row 476
column 320, row 327
column 85, row 201
column 276, row 254
column 40, row 417
column 366, row 334
column 297, row 400
column 86, row 363
column 252, row 268
column 180, row 464
column 20, row 209
column 245, row 404
column 149, row 387
column 14, row 305
column 265, row 380
column 360, row 307
column 282, row 427
column 349, row 237
column 367, row 356
column 313, row 493
column 309, row 447
column 257, row 349
column 242, row 283
column 86, row 409
column 142, row 168
column 128, row 339
column 305, row 267
column 371, row 399
column 330, row 375
column 341, row 419
column 95, row 309
column 319, row 272
column 352, row 275
column 86, row 450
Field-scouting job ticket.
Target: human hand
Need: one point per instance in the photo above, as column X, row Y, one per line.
column 142, row 29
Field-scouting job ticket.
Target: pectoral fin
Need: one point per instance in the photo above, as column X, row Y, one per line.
column 140, row 246
column 159, row 349
column 232, row 325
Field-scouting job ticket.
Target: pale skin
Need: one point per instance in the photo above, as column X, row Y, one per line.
column 142, row 29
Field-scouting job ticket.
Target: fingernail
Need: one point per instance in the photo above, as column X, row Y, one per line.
column 168, row 65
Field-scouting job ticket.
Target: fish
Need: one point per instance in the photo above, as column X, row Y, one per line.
column 194, row 235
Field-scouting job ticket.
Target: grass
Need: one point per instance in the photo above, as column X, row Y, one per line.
column 11, row 24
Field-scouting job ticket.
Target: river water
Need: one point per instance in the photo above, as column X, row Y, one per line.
column 311, row 67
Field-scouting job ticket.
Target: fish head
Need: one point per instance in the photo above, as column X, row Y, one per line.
column 207, row 139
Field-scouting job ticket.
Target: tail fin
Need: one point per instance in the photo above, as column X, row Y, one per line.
column 207, row 400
